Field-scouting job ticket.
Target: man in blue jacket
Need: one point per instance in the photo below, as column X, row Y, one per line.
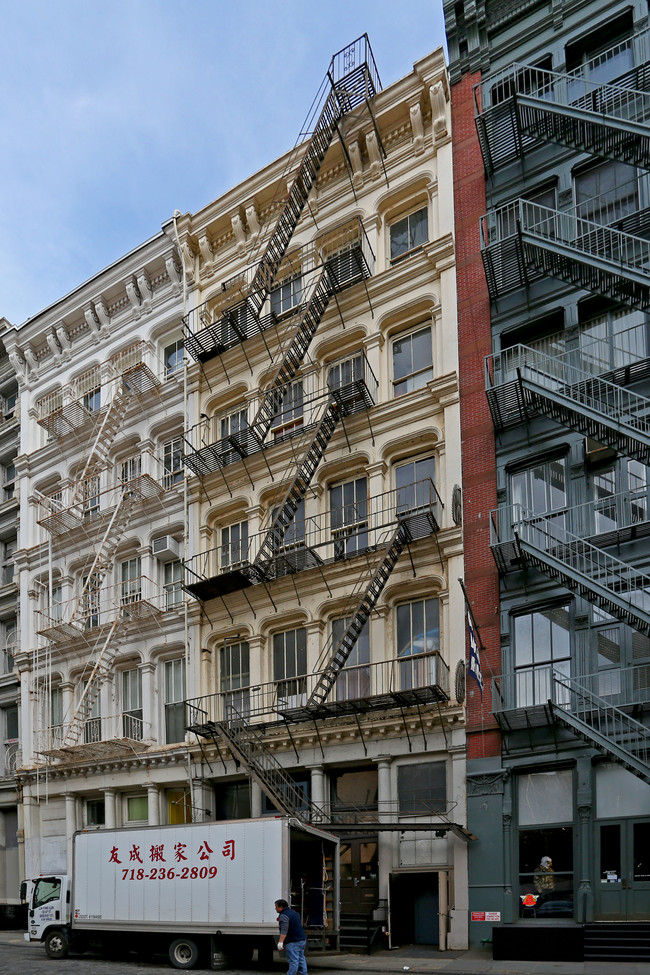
column 292, row 938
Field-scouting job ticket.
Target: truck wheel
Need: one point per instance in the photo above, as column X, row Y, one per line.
column 56, row 944
column 183, row 953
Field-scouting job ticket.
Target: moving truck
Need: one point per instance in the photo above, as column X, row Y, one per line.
column 198, row 890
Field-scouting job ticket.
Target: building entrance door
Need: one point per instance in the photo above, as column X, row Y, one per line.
column 414, row 917
column 622, row 890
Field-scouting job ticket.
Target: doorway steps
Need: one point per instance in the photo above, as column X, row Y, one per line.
column 620, row 942
column 359, row 933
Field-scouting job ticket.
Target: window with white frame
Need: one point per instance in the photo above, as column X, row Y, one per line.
column 9, row 401
column 290, row 415
column 8, row 550
column 286, row 295
column 173, row 573
column 90, row 603
column 290, row 666
column 345, row 372
column 11, row 743
column 131, row 580
column 418, row 642
column 54, row 602
column 89, row 389
column 172, row 460
column 542, row 490
column 294, row 536
column 137, row 809
column 173, row 357
column 56, row 717
column 9, row 643
column 412, row 361
column 132, row 704
column 408, row 232
column 174, row 698
column 90, row 496
column 353, row 680
column 349, row 516
column 542, row 645
column 234, row 544
column 9, row 480
column 130, row 468
column 234, row 678
column 95, row 812
column 234, row 422
column 414, row 483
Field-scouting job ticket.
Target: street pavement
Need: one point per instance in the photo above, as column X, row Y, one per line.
column 17, row 957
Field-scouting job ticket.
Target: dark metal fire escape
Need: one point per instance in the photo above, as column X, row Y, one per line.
column 522, row 382
column 525, row 106
column 352, row 80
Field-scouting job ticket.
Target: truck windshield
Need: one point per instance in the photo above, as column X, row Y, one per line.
column 46, row 890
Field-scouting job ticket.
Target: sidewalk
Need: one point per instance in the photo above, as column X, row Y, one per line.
column 420, row 960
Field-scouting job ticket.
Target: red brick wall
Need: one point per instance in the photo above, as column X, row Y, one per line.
column 477, row 432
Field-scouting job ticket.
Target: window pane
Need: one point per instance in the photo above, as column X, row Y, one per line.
column 137, row 808
column 545, row 797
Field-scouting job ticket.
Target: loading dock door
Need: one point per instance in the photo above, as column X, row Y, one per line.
column 414, row 909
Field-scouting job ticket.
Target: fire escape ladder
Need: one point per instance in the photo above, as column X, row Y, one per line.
column 591, row 572
column 97, row 456
column 103, row 560
column 529, row 381
column 100, row 670
column 296, row 492
column 601, row 724
column 310, row 165
column 248, row 747
column 292, row 359
column 361, row 614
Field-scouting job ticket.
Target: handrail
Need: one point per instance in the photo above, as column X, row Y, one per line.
column 360, row 527
column 266, row 701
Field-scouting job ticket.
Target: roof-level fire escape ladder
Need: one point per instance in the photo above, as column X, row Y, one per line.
column 522, row 381
column 355, row 85
column 601, row 725
column 591, row 572
column 97, row 457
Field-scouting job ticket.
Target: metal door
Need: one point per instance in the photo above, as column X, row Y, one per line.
column 623, row 885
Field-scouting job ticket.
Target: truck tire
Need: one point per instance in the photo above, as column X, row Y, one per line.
column 56, row 944
column 183, row 953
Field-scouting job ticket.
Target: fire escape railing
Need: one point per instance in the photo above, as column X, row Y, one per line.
column 523, row 105
column 544, row 543
column 320, row 539
column 521, row 382
column 522, row 241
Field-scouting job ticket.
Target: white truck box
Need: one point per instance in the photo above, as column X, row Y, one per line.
column 188, row 889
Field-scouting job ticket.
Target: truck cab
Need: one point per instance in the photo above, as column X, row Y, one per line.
column 48, row 909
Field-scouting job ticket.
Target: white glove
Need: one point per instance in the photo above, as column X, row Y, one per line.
column 280, row 946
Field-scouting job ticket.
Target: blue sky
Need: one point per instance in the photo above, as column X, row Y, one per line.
column 114, row 113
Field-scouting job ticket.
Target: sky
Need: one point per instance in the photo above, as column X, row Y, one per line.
column 115, row 113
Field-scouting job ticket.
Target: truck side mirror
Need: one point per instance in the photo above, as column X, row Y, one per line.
column 23, row 891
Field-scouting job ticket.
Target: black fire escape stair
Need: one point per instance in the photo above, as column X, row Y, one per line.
column 360, row 617
column 584, row 402
column 347, row 93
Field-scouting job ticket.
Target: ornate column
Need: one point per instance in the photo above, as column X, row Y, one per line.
column 70, row 826
column 319, row 788
column 110, row 821
column 153, row 805
column 386, row 815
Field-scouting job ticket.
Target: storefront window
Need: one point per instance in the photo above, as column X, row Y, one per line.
column 546, row 872
column 545, row 851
